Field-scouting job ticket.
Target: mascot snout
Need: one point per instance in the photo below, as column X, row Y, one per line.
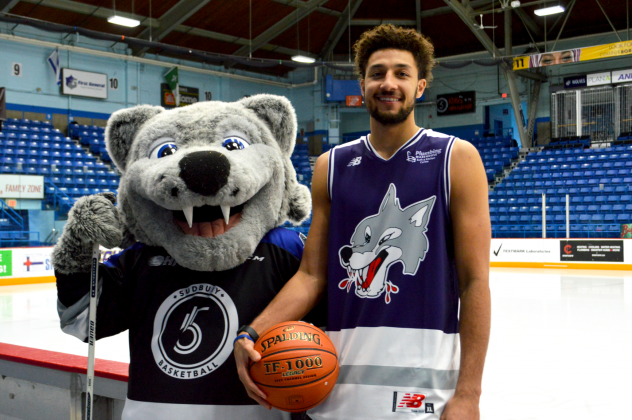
column 205, row 172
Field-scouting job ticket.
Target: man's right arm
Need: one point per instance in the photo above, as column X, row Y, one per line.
column 303, row 291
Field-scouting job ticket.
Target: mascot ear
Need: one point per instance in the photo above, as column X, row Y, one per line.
column 299, row 202
column 277, row 112
column 122, row 128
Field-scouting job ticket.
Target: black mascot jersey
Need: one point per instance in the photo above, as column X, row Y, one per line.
column 181, row 322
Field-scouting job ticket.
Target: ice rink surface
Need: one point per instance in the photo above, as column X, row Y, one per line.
column 561, row 341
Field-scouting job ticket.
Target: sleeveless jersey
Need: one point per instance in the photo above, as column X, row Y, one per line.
column 392, row 282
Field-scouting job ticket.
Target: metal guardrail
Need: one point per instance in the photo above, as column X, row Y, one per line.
column 10, row 238
column 51, row 239
column 8, row 213
column 552, row 231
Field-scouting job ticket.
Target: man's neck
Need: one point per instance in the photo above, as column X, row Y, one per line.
column 387, row 139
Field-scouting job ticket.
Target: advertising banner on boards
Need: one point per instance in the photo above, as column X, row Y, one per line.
column 587, row 250
column 188, row 96
column 540, row 250
column 575, row 55
column 622, row 76
column 83, row 83
column 575, row 82
column 597, row 79
column 22, row 186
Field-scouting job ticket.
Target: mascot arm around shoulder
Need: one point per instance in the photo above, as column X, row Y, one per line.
column 202, row 193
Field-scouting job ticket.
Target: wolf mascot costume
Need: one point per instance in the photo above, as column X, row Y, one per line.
column 202, row 191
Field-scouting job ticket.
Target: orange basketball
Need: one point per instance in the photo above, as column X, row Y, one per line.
column 298, row 366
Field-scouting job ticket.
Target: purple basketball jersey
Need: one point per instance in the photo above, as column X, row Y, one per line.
column 391, row 261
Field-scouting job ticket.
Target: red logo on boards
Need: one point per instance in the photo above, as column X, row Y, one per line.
column 568, row 249
column 170, row 98
column 411, row 401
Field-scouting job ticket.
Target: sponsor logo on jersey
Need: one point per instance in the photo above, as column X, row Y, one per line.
column 409, row 402
column 393, row 235
column 255, row 258
column 355, row 161
column 194, row 329
column 159, row 260
column 422, row 157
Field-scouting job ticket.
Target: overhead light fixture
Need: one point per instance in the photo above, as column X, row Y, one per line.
column 298, row 57
column 549, row 10
column 123, row 21
column 303, row 59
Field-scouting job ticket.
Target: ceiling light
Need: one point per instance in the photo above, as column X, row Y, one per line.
column 123, row 21
column 303, row 59
column 549, row 10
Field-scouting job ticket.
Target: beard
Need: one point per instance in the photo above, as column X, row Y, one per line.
column 385, row 118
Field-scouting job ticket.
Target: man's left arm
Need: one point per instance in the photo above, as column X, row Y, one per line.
column 469, row 211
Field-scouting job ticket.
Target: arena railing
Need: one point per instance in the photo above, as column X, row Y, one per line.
column 44, row 384
column 10, row 214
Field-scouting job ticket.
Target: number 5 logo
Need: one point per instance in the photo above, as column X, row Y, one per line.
column 189, row 325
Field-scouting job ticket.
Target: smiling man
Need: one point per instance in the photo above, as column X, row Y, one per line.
column 400, row 241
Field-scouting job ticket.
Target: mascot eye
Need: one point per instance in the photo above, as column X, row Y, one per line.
column 367, row 235
column 235, row 143
column 384, row 239
column 165, row 148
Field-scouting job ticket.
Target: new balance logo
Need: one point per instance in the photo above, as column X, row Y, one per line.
column 355, row 161
column 411, row 403
column 255, row 258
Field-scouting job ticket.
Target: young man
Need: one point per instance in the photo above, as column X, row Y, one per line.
column 399, row 238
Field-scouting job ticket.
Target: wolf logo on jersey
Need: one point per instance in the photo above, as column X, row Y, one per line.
column 392, row 235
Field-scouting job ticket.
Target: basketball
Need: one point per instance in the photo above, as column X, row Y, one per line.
column 298, row 366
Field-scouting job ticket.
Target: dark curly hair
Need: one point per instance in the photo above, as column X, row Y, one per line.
column 391, row 37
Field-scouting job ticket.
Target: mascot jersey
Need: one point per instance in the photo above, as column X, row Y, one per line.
column 182, row 324
column 393, row 288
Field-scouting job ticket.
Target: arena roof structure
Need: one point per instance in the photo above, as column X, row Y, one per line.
column 246, row 33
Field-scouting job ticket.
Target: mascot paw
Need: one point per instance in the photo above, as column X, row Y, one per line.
column 93, row 219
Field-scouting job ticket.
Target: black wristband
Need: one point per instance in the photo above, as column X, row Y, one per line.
column 251, row 332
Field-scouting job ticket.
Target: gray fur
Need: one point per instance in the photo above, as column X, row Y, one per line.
column 121, row 129
column 92, row 219
column 261, row 177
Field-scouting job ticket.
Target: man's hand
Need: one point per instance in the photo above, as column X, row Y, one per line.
column 462, row 407
column 244, row 352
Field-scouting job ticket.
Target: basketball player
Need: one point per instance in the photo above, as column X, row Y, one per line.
column 399, row 239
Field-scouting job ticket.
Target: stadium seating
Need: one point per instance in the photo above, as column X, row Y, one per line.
column 598, row 182
column 70, row 171
column 497, row 153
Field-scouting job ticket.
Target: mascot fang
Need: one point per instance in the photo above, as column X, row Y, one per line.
column 202, row 193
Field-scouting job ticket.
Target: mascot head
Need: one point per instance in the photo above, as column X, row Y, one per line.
column 207, row 181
